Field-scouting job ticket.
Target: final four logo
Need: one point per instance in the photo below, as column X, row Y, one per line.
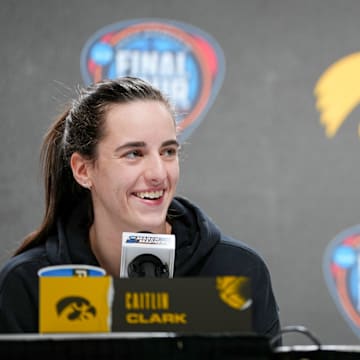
column 184, row 62
column 342, row 274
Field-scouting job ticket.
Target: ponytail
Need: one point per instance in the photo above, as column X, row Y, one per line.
column 61, row 190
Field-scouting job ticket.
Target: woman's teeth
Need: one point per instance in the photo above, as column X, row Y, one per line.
column 150, row 194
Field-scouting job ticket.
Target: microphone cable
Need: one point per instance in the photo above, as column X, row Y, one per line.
column 296, row 329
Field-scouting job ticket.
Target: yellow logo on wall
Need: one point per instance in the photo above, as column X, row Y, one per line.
column 232, row 291
column 338, row 93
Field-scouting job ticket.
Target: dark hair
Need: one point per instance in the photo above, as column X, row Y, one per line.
column 79, row 129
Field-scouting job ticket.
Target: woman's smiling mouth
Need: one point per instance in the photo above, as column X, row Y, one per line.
column 150, row 195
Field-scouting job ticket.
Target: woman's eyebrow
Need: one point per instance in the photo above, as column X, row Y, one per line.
column 170, row 142
column 130, row 145
column 142, row 144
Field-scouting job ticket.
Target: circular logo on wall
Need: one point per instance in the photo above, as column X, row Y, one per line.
column 342, row 274
column 184, row 62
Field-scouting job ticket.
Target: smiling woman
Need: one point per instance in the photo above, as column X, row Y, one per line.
column 111, row 166
column 134, row 177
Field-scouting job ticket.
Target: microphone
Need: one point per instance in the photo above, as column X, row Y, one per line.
column 145, row 254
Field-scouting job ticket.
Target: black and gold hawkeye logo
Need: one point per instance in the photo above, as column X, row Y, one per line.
column 75, row 308
column 233, row 291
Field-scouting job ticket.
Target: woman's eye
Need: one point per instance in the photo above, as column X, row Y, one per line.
column 170, row 152
column 133, row 154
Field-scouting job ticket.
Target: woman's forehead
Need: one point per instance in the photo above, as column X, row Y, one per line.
column 139, row 119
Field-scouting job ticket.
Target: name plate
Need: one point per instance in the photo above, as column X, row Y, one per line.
column 181, row 305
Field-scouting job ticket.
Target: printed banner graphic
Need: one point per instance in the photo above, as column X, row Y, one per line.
column 342, row 274
column 183, row 61
column 182, row 305
column 337, row 93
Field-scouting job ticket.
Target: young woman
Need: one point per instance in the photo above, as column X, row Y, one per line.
column 111, row 165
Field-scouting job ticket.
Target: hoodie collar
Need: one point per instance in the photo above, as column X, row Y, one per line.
column 72, row 245
column 195, row 234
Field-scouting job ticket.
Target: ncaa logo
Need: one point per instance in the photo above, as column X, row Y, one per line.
column 184, row 62
column 341, row 267
column 132, row 239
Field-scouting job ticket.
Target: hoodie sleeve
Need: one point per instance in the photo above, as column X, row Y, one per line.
column 266, row 311
column 19, row 297
column 17, row 311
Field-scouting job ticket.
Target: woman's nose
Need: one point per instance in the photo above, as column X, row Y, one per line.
column 155, row 170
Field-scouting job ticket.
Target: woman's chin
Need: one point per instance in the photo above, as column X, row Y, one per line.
column 153, row 227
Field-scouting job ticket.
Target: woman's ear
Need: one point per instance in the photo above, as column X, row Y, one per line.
column 80, row 169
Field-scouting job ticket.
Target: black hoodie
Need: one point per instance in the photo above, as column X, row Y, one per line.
column 201, row 250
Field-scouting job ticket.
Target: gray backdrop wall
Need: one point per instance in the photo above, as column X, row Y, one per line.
column 260, row 163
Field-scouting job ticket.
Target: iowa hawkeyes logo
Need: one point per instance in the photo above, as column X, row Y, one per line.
column 233, row 291
column 75, row 308
column 338, row 93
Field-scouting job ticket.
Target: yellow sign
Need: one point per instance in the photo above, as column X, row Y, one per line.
column 73, row 304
